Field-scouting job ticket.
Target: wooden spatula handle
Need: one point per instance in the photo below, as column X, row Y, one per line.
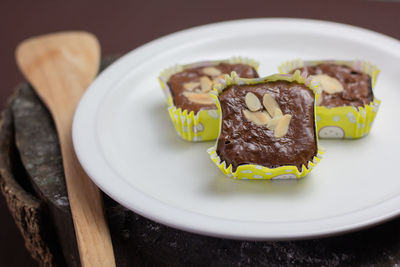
column 92, row 233
column 60, row 67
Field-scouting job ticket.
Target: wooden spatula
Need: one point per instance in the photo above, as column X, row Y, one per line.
column 60, row 67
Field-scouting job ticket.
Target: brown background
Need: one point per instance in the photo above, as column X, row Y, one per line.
column 124, row 25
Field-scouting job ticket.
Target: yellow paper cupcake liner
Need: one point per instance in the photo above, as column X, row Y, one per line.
column 204, row 125
column 253, row 171
column 201, row 126
column 347, row 121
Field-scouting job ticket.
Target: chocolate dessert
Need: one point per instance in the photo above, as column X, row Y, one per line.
column 278, row 132
column 190, row 87
column 355, row 87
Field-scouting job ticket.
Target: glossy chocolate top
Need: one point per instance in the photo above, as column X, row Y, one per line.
column 177, row 81
column 243, row 142
column 357, row 85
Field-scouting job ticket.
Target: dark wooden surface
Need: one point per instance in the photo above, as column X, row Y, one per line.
column 42, row 213
column 12, row 250
column 124, row 25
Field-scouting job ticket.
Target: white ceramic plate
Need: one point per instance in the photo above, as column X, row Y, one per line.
column 127, row 144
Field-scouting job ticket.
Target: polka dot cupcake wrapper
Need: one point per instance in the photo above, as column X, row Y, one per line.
column 342, row 122
column 204, row 125
column 346, row 122
column 200, row 127
column 257, row 172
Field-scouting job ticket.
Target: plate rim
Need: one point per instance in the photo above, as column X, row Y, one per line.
column 166, row 214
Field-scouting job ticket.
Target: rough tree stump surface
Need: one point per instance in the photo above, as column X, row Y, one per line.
column 32, row 181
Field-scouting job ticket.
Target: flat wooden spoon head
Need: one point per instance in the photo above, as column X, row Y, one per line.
column 60, row 67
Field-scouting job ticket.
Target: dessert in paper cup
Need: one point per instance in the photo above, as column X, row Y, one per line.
column 192, row 111
column 267, row 128
column 347, row 107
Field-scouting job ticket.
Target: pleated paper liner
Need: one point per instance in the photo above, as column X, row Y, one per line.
column 203, row 125
column 252, row 171
column 347, row 121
